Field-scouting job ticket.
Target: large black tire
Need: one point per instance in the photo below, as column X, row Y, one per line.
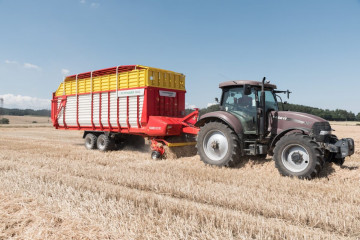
column 298, row 155
column 104, row 143
column 90, row 141
column 218, row 145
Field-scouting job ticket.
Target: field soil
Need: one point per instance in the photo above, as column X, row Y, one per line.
column 26, row 121
column 53, row 188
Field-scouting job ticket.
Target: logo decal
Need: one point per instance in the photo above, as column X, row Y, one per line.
column 167, row 93
column 131, row 92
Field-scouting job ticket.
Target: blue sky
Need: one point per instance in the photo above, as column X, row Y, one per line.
column 311, row 47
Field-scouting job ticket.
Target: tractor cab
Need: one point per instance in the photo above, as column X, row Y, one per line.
column 243, row 100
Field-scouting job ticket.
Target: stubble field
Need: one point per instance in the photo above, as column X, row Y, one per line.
column 51, row 187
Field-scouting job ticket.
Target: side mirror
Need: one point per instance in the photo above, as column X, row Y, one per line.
column 288, row 93
column 247, row 89
column 216, row 100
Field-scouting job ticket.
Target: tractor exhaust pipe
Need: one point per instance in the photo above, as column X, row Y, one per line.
column 263, row 113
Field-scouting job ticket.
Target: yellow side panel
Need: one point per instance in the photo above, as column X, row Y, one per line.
column 165, row 79
column 60, row 90
column 145, row 76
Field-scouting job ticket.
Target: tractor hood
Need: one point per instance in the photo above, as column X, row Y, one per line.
column 283, row 120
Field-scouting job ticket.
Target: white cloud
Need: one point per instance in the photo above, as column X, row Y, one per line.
column 65, row 71
column 189, row 106
column 94, row 5
column 211, row 104
column 24, row 102
column 32, row 66
column 10, row 62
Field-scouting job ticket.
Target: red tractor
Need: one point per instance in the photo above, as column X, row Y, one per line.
column 249, row 123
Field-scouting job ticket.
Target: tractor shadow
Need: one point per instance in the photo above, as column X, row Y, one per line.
column 349, row 168
column 134, row 147
column 253, row 160
column 330, row 168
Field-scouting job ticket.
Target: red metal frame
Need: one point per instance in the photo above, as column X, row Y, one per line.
column 138, row 111
column 157, row 146
column 58, row 110
column 105, row 71
column 92, row 111
column 109, row 124
column 77, row 111
column 100, row 109
column 160, row 121
column 127, row 112
column 117, row 114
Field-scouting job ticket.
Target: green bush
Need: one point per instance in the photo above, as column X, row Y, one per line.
column 4, row 121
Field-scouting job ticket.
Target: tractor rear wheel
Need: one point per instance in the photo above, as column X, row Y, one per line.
column 90, row 141
column 298, row 155
column 104, row 143
column 218, row 145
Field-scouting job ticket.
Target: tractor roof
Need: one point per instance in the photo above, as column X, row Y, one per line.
column 243, row 82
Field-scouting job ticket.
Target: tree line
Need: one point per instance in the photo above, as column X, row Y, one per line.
column 330, row 115
column 24, row 112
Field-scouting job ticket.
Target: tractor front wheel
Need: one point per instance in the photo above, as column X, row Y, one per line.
column 218, row 145
column 298, row 155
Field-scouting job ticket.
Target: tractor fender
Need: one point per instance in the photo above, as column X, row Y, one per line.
column 281, row 134
column 232, row 121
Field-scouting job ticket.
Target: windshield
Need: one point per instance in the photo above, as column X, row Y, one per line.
column 242, row 106
column 270, row 101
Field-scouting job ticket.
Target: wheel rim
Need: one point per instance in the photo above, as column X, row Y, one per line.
column 295, row 158
column 101, row 142
column 155, row 155
column 88, row 142
column 215, row 145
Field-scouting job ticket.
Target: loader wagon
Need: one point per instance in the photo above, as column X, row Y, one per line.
column 114, row 104
column 124, row 104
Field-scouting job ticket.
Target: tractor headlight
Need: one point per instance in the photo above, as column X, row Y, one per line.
column 323, row 132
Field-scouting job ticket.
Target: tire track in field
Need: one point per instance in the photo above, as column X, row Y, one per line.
column 48, row 174
column 220, row 217
column 271, row 211
column 244, row 207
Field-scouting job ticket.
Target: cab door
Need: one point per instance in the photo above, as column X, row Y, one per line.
column 242, row 106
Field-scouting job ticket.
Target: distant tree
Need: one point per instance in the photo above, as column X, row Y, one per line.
column 330, row 115
column 212, row 108
column 358, row 117
column 4, row 121
column 23, row 112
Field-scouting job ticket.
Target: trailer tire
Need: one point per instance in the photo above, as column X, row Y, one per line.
column 90, row 141
column 104, row 143
column 298, row 155
column 217, row 144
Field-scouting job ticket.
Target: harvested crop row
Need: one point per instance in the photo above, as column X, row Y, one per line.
column 253, row 196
